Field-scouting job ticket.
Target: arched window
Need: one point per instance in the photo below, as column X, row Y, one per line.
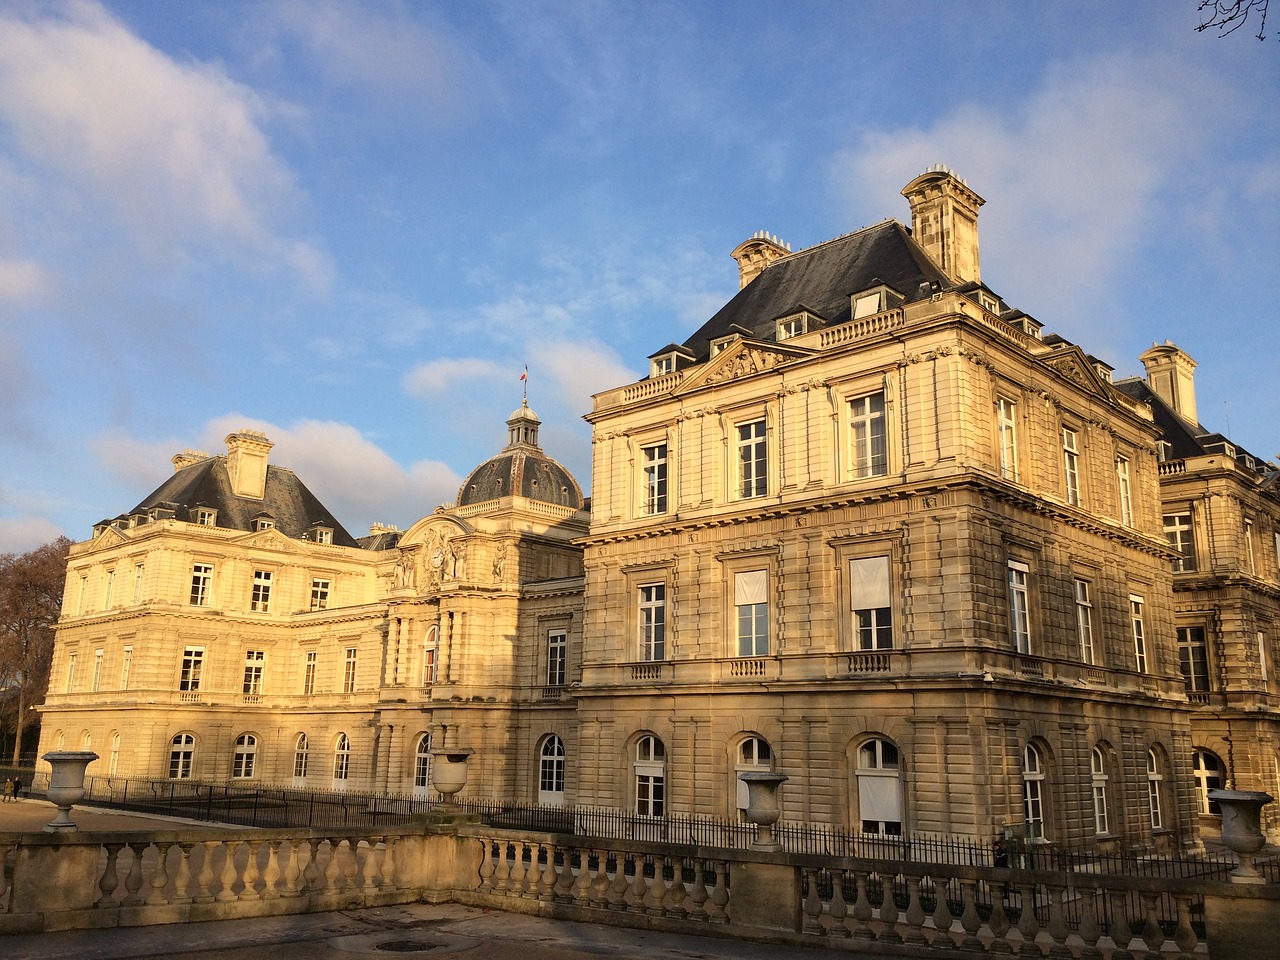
column 59, row 741
column 879, row 788
column 651, row 777
column 1153, row 790
column 86, row 741
column 422, row 766
column 551, row 772
column 1033, row 776
column 182, row 751
column 245, row 753
column 301, row 750
column 753, row 756
column 341, row 761
column 113, row 763
column 1208, row 772
column 1098, row 770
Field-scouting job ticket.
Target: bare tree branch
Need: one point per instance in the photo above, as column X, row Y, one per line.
column 1228, row 16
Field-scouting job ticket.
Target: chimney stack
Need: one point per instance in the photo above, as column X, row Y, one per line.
column 187, row 457
column 757, row 253
column 944, row 220
column 247, row 463
column 1171, row 377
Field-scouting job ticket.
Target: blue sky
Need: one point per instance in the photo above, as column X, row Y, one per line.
column 351, row 225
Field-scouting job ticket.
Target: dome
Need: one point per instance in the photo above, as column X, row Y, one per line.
column 522, row 470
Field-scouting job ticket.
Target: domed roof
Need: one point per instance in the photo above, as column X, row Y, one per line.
column 522, row 470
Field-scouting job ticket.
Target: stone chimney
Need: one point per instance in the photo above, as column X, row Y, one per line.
column 1171, row 377
column 757, row 253
column 187, row 457
column 247, row 463
column 944, row 220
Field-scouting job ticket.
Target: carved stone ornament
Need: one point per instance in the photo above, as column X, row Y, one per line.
column 747, row 361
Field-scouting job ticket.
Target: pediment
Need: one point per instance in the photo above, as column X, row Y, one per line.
column 1072, row 364
column 438, row 526
column 109, row 537
column 271, row 539
column 744, row 358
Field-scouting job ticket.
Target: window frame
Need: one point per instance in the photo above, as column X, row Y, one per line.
column 557, row 657
column 866, row 427
column 1124, row 488
column 872, row 766
column 1193, row 660
column 191, row 669
column 651, row 622
column 1006, row 410
column 1084, row 620
column 552, row 762
column 1181, row 539
column 182, row 752
column 1071, row 465
column 254, row 666
column 751, row 457
column 1099, row 778
column 751, row 616
column 1155, row 804
column 260, row 594
column 320, row 588
column 244, row 757
column 655, row 473
column 301, row 757
column 1034, row 778
column 201, row 584
column 1138, row 631
column 349, row 667
column 1018, row 578
column 650, row 776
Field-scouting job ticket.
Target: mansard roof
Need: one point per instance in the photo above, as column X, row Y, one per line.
column 821, row 280
column 207, row 485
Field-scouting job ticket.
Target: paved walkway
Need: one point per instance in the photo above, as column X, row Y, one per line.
column 413, row 930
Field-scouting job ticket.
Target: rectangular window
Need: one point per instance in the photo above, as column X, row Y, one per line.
column 137, row 582
column 324, row 535
column 869, row 601
column 349, row 671
column 1139, row 632
column 867, row 434
column 790, row 328
column 83, row 595
column 1249, row 565
column 653, row 622
column 1262, row 656
column 201, row 584
column 1019, row 609
column 260, row 599
column 751, row 603
column 97, row 669
column 1181, row 536
column 253, row 662
column 655, row 478
column 1084, row 621
column 1007, row 434
column 206, row 518
column 752, row 460
column 1071, row 466
column 557, row 658
column 111, row 582
column 71, row 672
column 319, row 594
column 309, row 674
column 192, row 666
column 126, row 664
column 1125, row 489
column 1193, row 661
column 650, row 791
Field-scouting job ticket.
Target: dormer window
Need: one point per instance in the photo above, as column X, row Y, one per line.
column 669, row 359
column 324, row 534
column 663, row 365
column 206, row 517
column 876, row 300
column 792, row 327
column 263, row 523
column 720, row 345
column 988, row 303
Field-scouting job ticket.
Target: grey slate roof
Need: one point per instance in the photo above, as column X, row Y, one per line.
column 525, row 472
column 286, row 500
column 821, row 280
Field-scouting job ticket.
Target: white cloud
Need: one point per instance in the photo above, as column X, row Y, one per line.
column 573, row 371
column 1075, row 171
column 174, row 150
column 436, row 379
column 22, row 280
column 25, row 533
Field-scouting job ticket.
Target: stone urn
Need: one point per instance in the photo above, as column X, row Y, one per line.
column 1242, row 829
column 764, row 805
column 449, row 771
column 66, row 785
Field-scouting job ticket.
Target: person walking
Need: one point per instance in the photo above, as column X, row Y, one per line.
column 17, row 789
column 8, row 789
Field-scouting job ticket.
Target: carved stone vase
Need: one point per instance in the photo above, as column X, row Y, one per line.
column 1242, row 829
column 66, row 785
column 764, row 805
column 449, row 771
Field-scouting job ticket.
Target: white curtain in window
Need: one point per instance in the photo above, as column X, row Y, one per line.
column 869, row 583
column 878, row 798
column 750, row 587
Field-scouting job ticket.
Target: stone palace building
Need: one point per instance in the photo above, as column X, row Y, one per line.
column 869, row 526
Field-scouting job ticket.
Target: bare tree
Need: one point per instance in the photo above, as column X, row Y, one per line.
column 31, row 587
column 1228, row 16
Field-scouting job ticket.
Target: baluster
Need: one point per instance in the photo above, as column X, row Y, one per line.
column 160, row 876
column 639, row 889
column 999, row 925
column 1089, row 930
column 619, row 887
column 1185, row 935
column 109, row 880
column 697, row 908
column 133, row 880
column 942, row 918
column 1058, row 929
column 251, row 872
column 1028, row 925
column 271, row 875
column 862, row 910
column 487, row 867
column 312, row 874
column 580, row 892
column 351, row 863
column 369, row 872
column 838, row 908
column 182, row 882
column 888, row 911
column 332, row 867
column 204, row 879
column 658, row 900
column 811, row 905
column 564, row 886
column 546, row 871
column 915, row 914
column 292, row 869
column 676, row 903
column 228, row 877
column 519, row 873
column 504, row 867
column 719, row 902
column 970, row 921
column 1119, row 928
column 1152, row 934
